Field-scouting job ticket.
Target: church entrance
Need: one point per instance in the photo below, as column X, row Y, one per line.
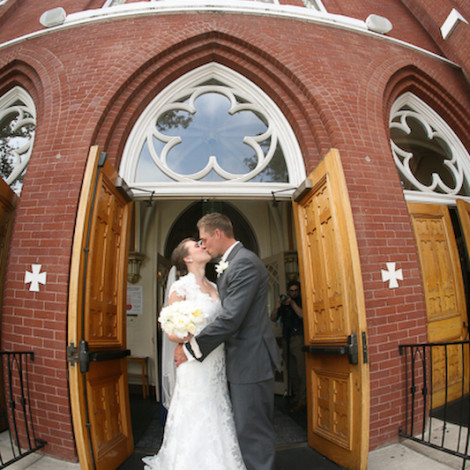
column 108, row 327
column 264, row 228
column 334, row 362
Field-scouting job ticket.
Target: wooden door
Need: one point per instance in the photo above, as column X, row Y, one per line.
column 444, row 295
column 97, row 315
column 8, row 201
column 464, row 215
column 334, row 317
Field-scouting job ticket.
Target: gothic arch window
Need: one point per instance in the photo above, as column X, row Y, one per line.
column 17, row 128
column 212, row 132
column 432, row 161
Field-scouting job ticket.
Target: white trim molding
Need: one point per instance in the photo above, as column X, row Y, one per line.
column 244, row 7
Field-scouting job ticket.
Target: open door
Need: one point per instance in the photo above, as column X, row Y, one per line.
column 97, row 314
column 444, row 296
column 334, row 317
column 8, row 201
column 464, row 215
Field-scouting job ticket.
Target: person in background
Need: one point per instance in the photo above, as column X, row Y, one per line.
column 288, row 309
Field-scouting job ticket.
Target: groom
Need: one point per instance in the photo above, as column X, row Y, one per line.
column 251, row 350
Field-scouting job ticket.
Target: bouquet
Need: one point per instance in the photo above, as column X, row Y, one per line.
column 182, row 318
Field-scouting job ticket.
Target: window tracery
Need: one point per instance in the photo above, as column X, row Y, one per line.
column 429, row 156
column 17, row 128
column 212, row 127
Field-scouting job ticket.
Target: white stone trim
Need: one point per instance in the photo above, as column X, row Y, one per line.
column 165, row 7
column 433, row 198
column 451, row 22
column 247, row 89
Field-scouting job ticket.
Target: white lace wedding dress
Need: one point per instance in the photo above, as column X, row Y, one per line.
column 199, row 432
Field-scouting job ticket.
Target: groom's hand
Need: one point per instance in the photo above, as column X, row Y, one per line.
column 180, row 356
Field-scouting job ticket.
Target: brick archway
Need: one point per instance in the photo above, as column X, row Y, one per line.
column 298, row 105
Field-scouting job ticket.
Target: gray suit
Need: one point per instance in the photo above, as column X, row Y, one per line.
column 252, row 354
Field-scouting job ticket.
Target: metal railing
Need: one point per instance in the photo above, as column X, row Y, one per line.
column 437, row 400
column 17, row 406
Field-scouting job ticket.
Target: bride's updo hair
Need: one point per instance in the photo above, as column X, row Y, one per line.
column 178, row 255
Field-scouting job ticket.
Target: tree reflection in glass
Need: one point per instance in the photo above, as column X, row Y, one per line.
column 212, row 136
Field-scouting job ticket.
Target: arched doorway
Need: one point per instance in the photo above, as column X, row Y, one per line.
column 186, row 226
column 270, row 171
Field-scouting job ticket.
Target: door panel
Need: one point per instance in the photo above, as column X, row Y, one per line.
column 464, row 215
column 8, row 202
column 444, row 295
column 337, row 385
column 97, row 315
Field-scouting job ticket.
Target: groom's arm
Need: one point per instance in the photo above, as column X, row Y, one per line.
column 187, row 352
column 242, row 287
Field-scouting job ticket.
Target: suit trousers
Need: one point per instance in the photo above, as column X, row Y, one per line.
column 253, row 409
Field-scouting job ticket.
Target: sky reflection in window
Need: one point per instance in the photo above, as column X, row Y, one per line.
column 211, row 131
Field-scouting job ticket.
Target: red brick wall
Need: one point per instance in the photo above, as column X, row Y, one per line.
column 335, row 87
column 432, row 15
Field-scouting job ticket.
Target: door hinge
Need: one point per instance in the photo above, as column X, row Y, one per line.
column 365, row 357
column 80, row 355
column 72, row 354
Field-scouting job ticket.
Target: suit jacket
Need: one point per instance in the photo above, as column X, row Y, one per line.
column 251, row 349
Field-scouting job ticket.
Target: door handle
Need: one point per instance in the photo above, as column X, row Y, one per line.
column 109, row 355
column 351, row 349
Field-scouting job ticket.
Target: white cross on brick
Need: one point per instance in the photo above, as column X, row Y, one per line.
column 392, row 275
column 35, row 278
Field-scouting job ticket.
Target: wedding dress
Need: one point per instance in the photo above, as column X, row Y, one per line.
column 199, row 432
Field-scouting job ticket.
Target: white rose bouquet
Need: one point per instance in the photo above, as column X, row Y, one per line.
column 181, row 318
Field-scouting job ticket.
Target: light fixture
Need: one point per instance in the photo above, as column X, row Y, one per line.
column 378, row 24
column 54, row 17
column 133, row 266
column 291, row 265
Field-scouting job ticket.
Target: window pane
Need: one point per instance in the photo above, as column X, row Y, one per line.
column 211, row 136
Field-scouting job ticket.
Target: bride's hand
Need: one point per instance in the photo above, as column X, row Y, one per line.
column 180, row 355
column 177, row 339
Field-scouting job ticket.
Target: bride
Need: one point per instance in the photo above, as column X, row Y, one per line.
column 199, row 431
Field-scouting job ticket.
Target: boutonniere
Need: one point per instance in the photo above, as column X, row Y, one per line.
column 221, row 267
